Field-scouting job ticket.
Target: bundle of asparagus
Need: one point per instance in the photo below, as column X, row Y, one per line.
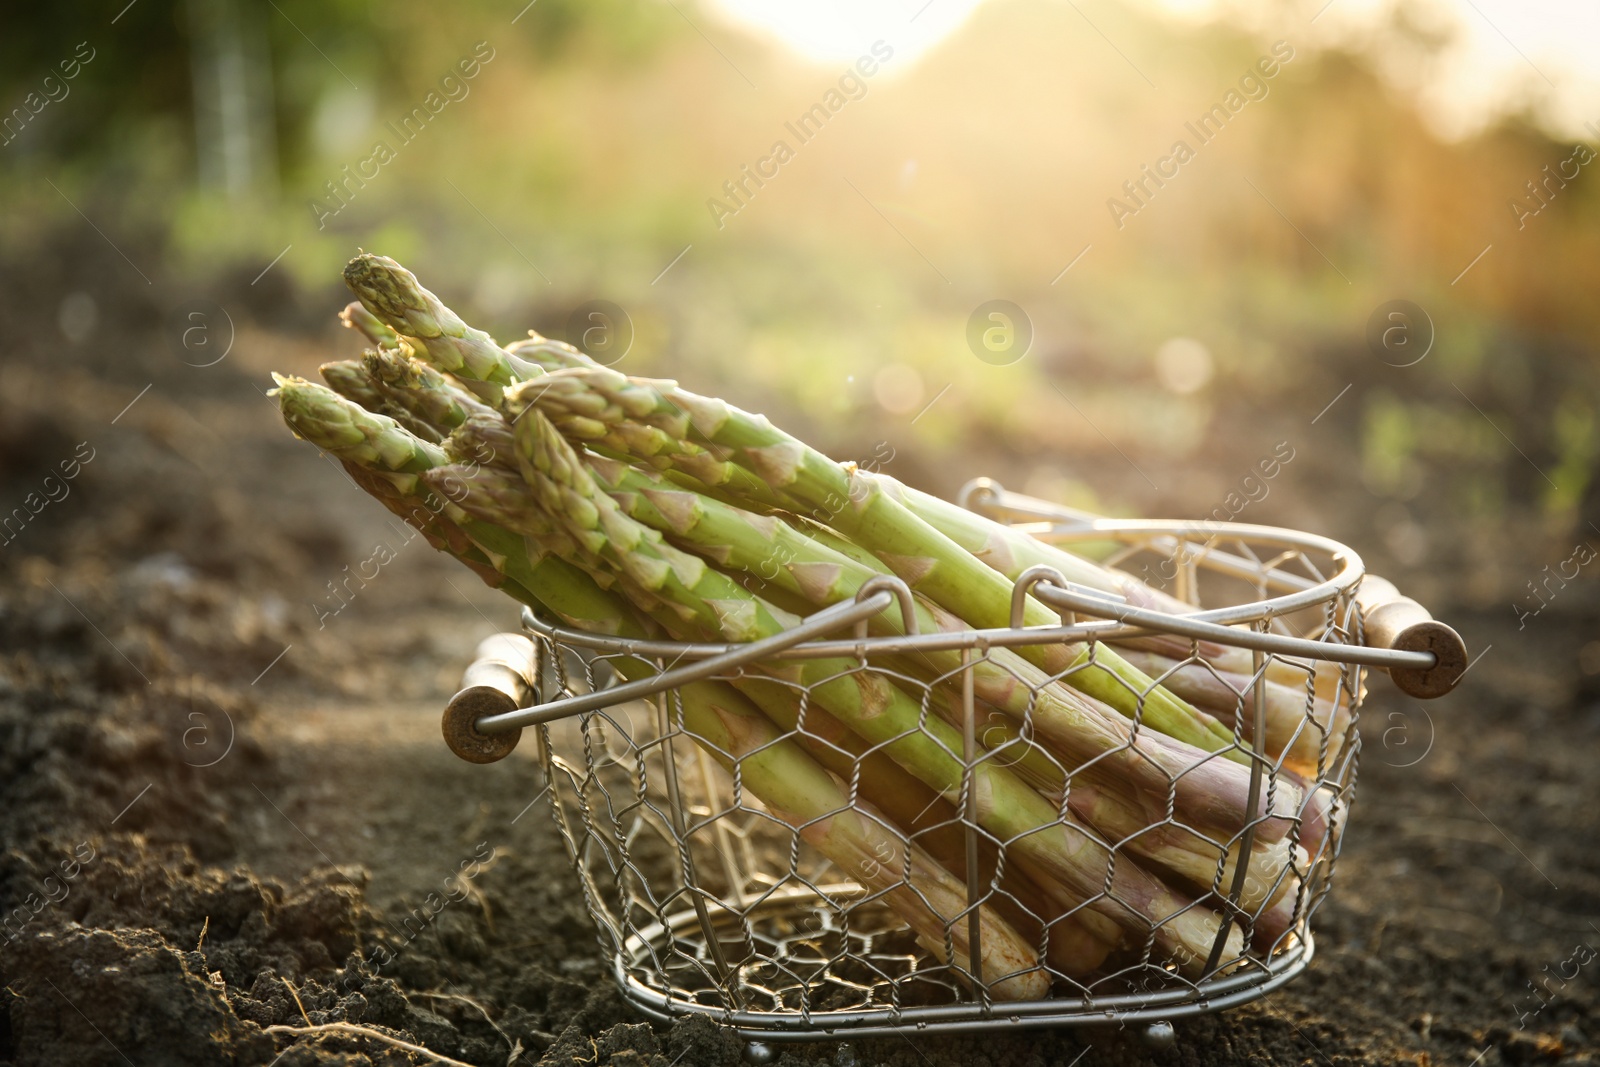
column 1113, row 809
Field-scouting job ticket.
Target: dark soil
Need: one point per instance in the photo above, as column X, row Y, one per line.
column 223, row 814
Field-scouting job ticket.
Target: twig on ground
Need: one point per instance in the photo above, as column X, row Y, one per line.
column 297, row 1001
column 362, row 1031
column 473, row 1004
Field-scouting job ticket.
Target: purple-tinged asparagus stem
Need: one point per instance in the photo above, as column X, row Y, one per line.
column 1059, row 855
column 1305, row 737
column 1211, row 793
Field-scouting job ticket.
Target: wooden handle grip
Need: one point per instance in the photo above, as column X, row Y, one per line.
column 1394, row 621
column 503, row 676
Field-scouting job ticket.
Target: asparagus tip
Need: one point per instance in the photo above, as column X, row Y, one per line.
column 384, row 286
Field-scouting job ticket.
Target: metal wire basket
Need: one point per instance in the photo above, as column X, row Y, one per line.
column 708, row 900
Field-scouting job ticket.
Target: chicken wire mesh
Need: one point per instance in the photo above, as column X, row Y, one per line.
column 981, row 850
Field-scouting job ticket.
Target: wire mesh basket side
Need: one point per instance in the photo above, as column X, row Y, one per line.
column 709, row 898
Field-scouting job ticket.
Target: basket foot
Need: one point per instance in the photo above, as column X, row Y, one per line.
column 1158, row 1036
column 759, row 1052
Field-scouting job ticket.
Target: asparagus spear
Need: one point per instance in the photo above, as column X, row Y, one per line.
column 357, row 317
column 614, row 419
column 1076, row 944
column 393, row 296
column 1068, row 862
column 838, row 823
column 390, row 453
column 766, row 547
column 549, row 354
column 351, row 380
column 421, row 389
column 350, row 431
column 1327, row 680
column 1305, row 730
column 854, row 836
column 856, row 503
column 1010, row 553
column 1095, row 738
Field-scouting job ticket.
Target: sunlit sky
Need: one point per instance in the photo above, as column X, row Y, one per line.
column 1502, row 56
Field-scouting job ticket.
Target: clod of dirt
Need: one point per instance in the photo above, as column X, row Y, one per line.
column 147, row 997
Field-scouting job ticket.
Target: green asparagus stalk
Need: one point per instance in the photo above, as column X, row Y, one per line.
column 548, row 354
column 1093, row 737
column 358, row 318
column 1326, row 680
column 795, row 788
column 350, row 431
column 767, row 548
column 1076, row 945
column 422, row 390
column 393, row 296
column 1306, row 731
column 388, row 451
column 613, row 420
column 926, row 896
column 1011, row 552
column 1061, row 856
column 856, row 503
column 351, row 380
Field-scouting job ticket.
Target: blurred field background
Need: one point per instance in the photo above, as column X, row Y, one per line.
column 977, row 165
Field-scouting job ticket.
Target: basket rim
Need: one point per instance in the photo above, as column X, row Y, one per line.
column 1112, row 618
column 684, row 662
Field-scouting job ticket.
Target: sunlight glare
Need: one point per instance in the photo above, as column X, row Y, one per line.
column 832, row 31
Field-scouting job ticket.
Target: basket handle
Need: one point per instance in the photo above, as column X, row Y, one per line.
column 484, row 720
column 1391, row 620
column 503, row 676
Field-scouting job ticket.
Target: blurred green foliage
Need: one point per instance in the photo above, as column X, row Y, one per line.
column 581, row 162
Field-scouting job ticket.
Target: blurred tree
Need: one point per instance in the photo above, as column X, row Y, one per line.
column 238, row 82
